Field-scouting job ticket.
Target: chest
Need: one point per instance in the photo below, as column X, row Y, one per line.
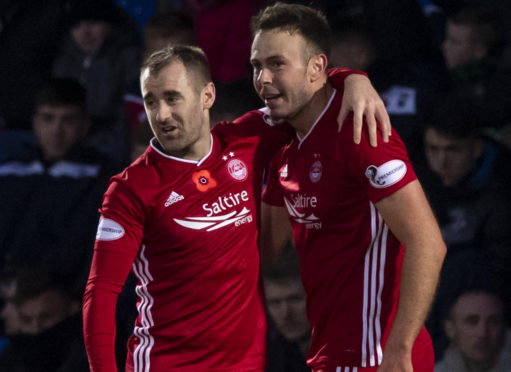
column 206, row 203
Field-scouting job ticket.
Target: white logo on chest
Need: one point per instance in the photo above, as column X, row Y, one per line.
column 315, row 171
column 237, row 169
column 302, row 201
column 173, row 198
column 225, row 202
column 214, row 220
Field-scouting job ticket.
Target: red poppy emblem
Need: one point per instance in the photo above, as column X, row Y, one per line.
column 203, row 180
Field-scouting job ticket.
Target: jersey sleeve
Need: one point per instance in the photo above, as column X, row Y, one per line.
column 336, row 76
column 272, row 192
column 117, row 243
column 381, row 170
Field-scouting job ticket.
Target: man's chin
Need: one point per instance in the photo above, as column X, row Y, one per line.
column 275, row 115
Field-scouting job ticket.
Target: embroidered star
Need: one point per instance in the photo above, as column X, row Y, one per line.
column 224, row 157
column 231, row 154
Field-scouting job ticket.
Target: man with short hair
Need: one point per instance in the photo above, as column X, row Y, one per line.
column 288, row 329
column 51, row 188
column 474, row 56
column 369, row 247
column 47, row 332
column 467, row 182
column 472, row 35
column 479, row 337
column 60, row 118
column 184, row 217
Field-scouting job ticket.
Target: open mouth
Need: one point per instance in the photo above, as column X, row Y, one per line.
column 271, row 98
column 168, row 130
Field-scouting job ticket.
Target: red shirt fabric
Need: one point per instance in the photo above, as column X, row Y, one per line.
column 350, row 261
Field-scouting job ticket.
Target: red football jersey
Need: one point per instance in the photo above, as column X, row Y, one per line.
column 188, row 230
column 350, row 261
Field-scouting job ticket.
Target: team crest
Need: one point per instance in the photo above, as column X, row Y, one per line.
column 237, row 169
column 315, row 172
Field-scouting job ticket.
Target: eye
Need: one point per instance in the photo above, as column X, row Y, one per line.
column 472, row 320
column 47, row 118
column 256, row 66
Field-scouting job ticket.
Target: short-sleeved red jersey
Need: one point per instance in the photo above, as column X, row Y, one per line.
column 350, row 261
column 188, row 230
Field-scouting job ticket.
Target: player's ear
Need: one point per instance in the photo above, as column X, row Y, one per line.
column 317, row 67
column 208, row 95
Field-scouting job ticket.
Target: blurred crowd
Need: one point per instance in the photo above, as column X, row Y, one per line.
column 71, row 116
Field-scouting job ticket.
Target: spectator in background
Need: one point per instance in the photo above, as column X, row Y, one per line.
column 467, row 182
column 30, row 35
column 407, row 86
column 288, row 328
column 480, row 339
column 165, row 28
column 162, row 29
column 472, row 36
column 47, row 336
column 353, row 46
column 50, row 191
column 103, row 52
column 470, row 182
column 472, row 52
column 233, row 99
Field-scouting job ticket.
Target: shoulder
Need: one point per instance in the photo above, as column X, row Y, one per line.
column 254, row 117
column 143, row 169
column 253, row 123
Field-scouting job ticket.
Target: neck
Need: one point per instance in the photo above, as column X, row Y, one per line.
column 305, row 118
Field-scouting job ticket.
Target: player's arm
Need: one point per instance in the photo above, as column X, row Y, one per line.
column 107, row 276
column 117, row 244
column 360, row 97
column 275, row 231
column 409, row 217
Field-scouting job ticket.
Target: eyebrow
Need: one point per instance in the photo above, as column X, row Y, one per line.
column 268, row 59
column 167, row 93
column 148, row 96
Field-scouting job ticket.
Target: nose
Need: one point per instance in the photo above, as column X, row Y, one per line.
column 438, row 160
column 32, row 326
column 163, row 112
column 483, row 329
column 264, row 76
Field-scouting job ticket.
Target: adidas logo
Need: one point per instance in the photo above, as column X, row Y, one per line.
column 173, row 198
